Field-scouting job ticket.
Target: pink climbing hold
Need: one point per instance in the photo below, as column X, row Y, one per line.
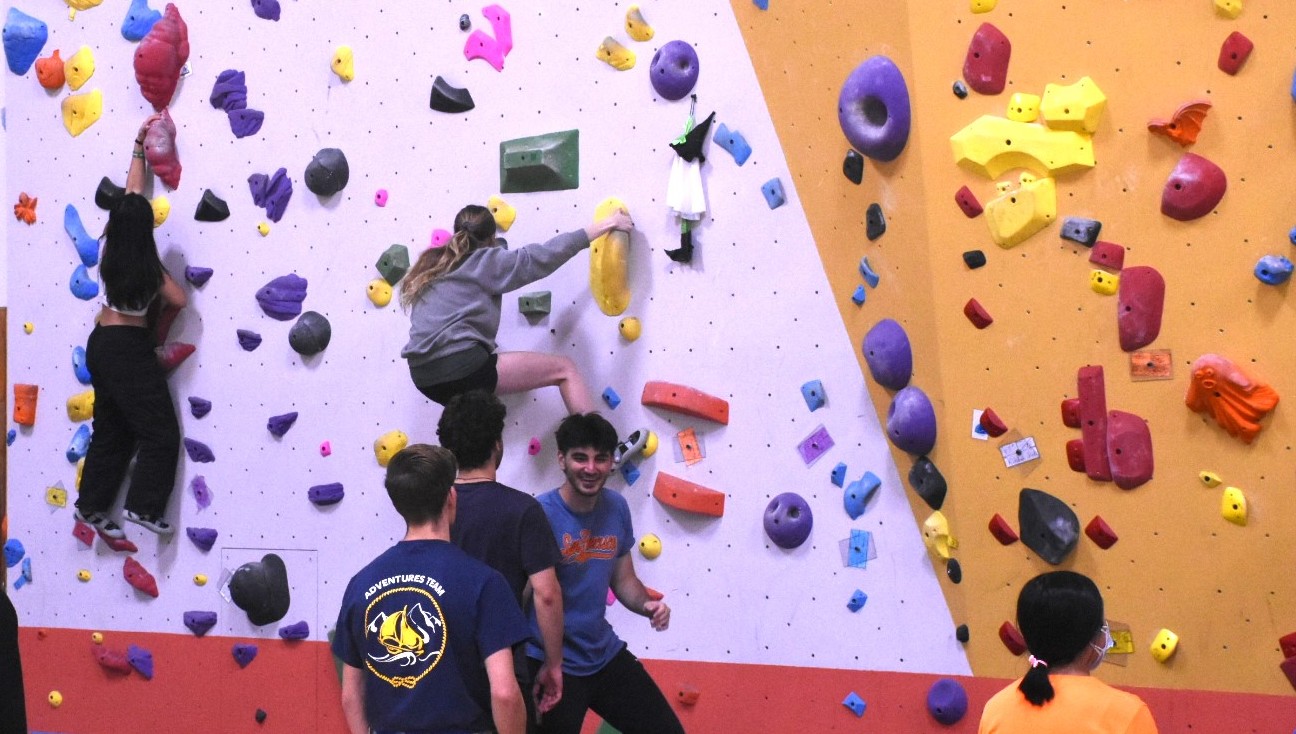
column 985, row 68
column 481, row 46
column 380, row 197
column 533, row 447
column 502, row 25
column 326, row 449
column 440, row 237
column 160, row 150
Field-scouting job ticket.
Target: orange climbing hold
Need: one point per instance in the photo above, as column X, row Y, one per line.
column 687, row 496
column 1184, row 126
column 686, row 400
column 24, row 413
column 25, row 209
column 1223, row 391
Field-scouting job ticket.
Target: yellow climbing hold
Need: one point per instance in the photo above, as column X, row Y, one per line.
column 55, row 699
column 936, row 534
column 630, row 328
column 983, row 6
column 263, row 228
column 28, row 327
column 1229, row 8
column 83, row 575
column 1210, row 478
column 990, row 145
column 650, row 546
column 97, row 638
column 56, row 496
column 161, row 210
column 609, row 271
column 80, row 407
column 1017, row 214
column 80, row 467
column 1233, row 506
column 388, row 445
column 650, row 445
column 1164, row 645
column 83, row 4
column 503, row 212
column 1023, row 107
column 380, row 292
column 79, row 68
column 80, row 111
column 1104, row 283
column 1077, row 107
column 344, row 63
column 200, row 579
column 615, row 55
column 636, row 26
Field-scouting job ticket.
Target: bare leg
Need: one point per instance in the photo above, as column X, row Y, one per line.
column 525, row 371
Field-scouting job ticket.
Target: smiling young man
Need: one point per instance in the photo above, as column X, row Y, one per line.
column 595, row 536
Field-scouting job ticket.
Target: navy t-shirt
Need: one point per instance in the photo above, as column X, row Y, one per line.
column 419, row 621
column 506, row 529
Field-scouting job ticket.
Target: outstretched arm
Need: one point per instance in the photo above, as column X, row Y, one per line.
column 619, row 219
column 633, row 595
column 135, row 176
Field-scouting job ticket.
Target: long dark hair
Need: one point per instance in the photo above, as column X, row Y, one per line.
column 474, row 227
column 1058, row 613
column 130, row 268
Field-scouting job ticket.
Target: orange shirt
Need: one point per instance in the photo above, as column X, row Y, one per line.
column 1081, row 705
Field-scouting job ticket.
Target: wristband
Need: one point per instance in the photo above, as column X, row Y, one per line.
column 137, row 154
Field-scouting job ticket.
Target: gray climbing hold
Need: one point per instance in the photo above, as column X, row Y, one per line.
column 311, row 334
column 328, row 172
column 874, row 222
column 212, row 208
column 1048, row 526
column 928, row 482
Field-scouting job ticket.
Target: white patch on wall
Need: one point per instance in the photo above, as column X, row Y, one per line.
column 750, row 320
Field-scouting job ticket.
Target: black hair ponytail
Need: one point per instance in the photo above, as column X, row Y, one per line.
column 1058, row 614
column 1035, row 685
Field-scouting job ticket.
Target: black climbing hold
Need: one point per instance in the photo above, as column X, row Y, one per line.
column 875, row 222
column 928, row 482
column 961, row 634
column 260, row 716
column 260, row 588
column 974, row 259
column 108, row 194
column 1048, row 526
column 853, row 166
column 328, row 172
column 446, row 98
column 311, row 334
column 212, row 208
column 960, row 89
column 465, row 22
column 1081, row 230
column 954, row 570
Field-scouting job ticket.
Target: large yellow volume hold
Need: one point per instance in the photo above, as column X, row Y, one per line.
column 609, row 270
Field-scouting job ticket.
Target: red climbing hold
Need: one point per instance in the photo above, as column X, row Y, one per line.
column 977, row 314
column 967, row 201
column 1129, row 449
column 1234, row 52
column 992, row 423
column 1002, row 531
column 111, row 660
column 1101, row 533
column 985, row 68
column 84, row 533
column 1108, row 255
column 139, row 578
column 1012, row 638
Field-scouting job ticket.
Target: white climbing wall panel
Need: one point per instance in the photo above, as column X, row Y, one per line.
column 750, row 320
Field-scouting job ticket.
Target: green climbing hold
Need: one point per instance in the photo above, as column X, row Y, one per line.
column 549, row 162
column 394, row 263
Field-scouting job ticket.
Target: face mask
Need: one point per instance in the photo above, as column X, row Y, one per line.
column 1102, row 651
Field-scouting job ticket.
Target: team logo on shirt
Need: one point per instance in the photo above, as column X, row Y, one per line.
column 405, row 635
column 587, row 547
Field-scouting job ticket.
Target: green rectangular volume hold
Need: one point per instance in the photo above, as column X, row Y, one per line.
column 549, row 162
column 535, row 304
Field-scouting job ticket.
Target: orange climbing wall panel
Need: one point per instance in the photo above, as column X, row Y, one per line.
column 1224, row 589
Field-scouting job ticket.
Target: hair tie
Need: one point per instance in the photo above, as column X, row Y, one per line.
column 1036, row 662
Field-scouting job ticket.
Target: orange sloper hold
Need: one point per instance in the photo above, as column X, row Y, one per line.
column 25, row 209
column 687, row 496
column 687, row 400
column 1184, row 126
column 49, row 71
column 1223, row 391
column 24, row 406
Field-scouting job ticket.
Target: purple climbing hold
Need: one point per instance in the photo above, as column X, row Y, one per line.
column 198, row 451
column 295, row 631
column 198, row 277
column 326, row 494
column 249, row 340
column 281, row 298
column 202, row 495
column 246, row 122
column 888, row 354
column 272, row 194
column 278, row 425
column 141, row 660
column 199, row 622
column 873, row 109
column 674, row 70
column 204, row 538
column 266, row 9
column 199, row 407
column 230, row 91
column 244, row 654
column 911, row 421
column 947, row 701
column 788, row 520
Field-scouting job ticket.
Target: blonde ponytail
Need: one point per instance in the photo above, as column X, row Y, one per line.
column 432, row 264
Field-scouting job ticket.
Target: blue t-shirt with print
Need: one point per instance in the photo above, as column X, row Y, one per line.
column 419, row 621
column 590, row 545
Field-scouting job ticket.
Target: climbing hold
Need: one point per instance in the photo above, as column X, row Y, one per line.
column 960, row 89
column 990, row 145
column 343, row 63
column 266, row 9
column 80, row 111
column 734, row 142
column 502, row 211
column 1002, row 531
column 857, row 495
column 83, row 575
column 1164, row 645
column 1023, row 107
column 199, row 622
column 1048, row 525
column 139, row 578
column 380, row 196
column 611, row 398
column 25, row 210
column 533, row 446
column 245, row 653
column 650, row 546
column 49, row 71
column 445, row 98
column 211, row 208
column 870, row 275
column 24, row 37
column 855, row 704
column 928, row 483
column 1139, row 304
column 311, row 334
column 1129, row 449
column 859, row 296
column 394, row 263
column 80, row 407
column 25, row 399
column 936, row 534
column 13, row 552
column 55, row 699
column 815, row 445
column 1108, row 255
column 1222, row 390
column 857, row 601
column 611, row 52
column 1101, row 533
column 687, row 496
column 198, row 451
column 967, row 201
column 161, row 210
column 200, row 579
column 635, row 25
column 1234, row 52
column 961, row 633
column 974, row 259
column 874, row 222
column 1273, row 270
column 263, row 228
column 388, row 445
column 87, row 247
column 686, row 400
column 111, row 660
column 1229, row 8
column 1185, row 125
column 1081, row 230
column 609, row 263
column 326, row 448
column 977, row 314
column 549, row 162
column 141, row 660
column 1090, row 416
column 245, row 122
column 139, row 20
column 328, row 172
column 83, row 533
column 1017, row 214
column 630, row 328
column 888, row 354
column 838, row 475
column 295, row 631
column 481, row 46
column 812, row 391
column 56, row 496
column 1077, row 107
column 852, row 166
column 79, row 68
column 203, row 538
column 79, row 444
column 281, row 298
column 1194, row 188
column 278, row 425
column 992, row 423
column 198, row 277
column 379, row 292
column 788, row 520
column 629, row 472
column 28, row 327
column 1210, row 478
column 248, row 340
column 985, row 67
column 773, row 192
column 260, row 588
column 947, row 702
column 674, row 70
column 160, row 150
column 873, row 109
column 1012, row 638
column 322, row 495
column 160, row 57
column 911, row 421
column 1233, row 506
column 229, row 93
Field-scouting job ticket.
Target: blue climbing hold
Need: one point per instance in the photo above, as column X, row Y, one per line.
column 79, row 444
column 87, row 247
column 79, row 367
column 813, row 392
column 762, row 4
column 858, row 494
column 11, row 436
column 734, row 142
column 13, row 552
column 1273, row 270
column 611, row 398
column 82, row 285
column 630, row 473
column 773, row 191
column 838, row 475
column 857, row 601
column 855, row 703
column 139, row 20
column 860, row 295
column 24, row 37
column 870, row 275
column 1291, row 236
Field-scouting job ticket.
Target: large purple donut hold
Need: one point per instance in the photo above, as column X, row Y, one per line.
column 873, row 109
column 911, row 421
column 674, row 70
column 888, row 354
column 788, row 520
